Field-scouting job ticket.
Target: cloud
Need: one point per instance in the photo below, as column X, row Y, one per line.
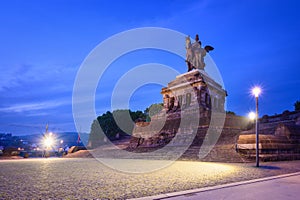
column 19, row 108
column 10, row 76
column 54, row 77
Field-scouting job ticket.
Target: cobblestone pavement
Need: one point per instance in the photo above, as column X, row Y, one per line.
column 87, row 178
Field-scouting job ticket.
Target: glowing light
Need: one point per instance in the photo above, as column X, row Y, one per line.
column 252, row 115
column 256, row 91
column 48, row 141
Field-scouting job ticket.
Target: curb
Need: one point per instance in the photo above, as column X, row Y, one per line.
column 217, row 187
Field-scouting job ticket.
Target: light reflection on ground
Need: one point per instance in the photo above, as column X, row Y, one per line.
column 82, row 178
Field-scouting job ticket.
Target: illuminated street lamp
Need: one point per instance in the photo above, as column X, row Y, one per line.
column 256, row 92
column 48, row 141
column 61, row 143
column 252, row 115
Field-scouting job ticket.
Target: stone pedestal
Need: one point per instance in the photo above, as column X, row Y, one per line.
column 192, row 90
column 189, row 101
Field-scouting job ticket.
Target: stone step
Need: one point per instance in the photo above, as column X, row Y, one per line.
column 274, row 157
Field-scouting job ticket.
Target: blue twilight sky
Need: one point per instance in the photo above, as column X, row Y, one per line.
column 43, row 43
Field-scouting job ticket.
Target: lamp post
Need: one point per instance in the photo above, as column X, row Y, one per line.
column 256, row 92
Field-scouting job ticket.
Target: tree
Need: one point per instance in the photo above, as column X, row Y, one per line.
column 96, row 136
column 297, row 105
column 230, row 112
column 119, row 122
column 153, row 110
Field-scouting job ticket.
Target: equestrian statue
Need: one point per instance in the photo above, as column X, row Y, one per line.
column 195, row 53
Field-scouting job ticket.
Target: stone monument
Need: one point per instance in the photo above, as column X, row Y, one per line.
column 194, row 95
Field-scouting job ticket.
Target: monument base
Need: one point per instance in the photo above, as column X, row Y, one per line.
column 190, row 102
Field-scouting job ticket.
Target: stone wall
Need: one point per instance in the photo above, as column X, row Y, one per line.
column 279, row 138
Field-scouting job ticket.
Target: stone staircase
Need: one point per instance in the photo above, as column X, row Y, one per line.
column 271, row 147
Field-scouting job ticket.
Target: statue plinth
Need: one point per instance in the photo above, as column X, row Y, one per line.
column 192, row 90
column 193, row 94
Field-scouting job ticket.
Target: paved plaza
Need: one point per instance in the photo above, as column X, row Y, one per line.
column 275, row 187
column 87, row 178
